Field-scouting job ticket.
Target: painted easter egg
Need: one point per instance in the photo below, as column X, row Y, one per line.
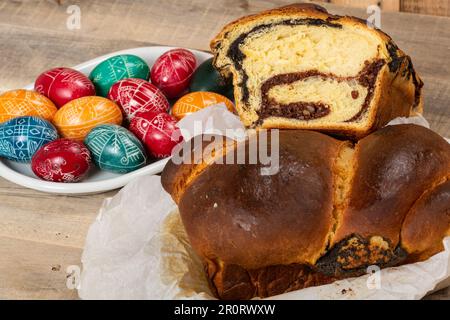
column 75, row 119
column 117, row 68
column 137, row 95
column 207, row 78
column 195, row 101
column 172, row 72
column 62, row 160
column 62, row 85
column 16, row 103
column 21, row 137
column 115, row 149
column 158, row 131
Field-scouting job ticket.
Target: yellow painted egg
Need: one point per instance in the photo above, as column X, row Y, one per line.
column 76, row 118
column 196, row 101
column 21, row 102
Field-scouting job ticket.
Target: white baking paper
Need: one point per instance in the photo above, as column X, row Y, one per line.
column 215, row 119
column 137, row 249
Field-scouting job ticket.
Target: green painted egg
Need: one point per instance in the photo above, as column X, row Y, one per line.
column 117, row 68
column 207, row 78
column 114, row 148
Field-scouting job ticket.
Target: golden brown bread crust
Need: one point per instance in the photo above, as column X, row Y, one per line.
column 329, row 213
column 304, row 8
column 394, row 167
column 177, row 176
column 427, row 222
column 399, row 88
column 234, row 282
column 239, row 197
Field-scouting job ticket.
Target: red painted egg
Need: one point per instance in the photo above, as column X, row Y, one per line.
column 173, row 71
column 62, row 85
column 137, row 95
column 62, row 160
column 158, row 132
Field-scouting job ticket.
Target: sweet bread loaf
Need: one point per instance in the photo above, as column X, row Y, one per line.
column 333, row 209
column 298, row 67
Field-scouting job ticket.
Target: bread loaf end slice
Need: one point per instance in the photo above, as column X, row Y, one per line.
column 298, row 67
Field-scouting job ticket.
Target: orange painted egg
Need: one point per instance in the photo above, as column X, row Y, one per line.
column 196, row 101
column 17, row 103
column 76, row 118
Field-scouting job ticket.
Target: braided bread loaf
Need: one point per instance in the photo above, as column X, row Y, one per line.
column 333, row 209
column 298, row 67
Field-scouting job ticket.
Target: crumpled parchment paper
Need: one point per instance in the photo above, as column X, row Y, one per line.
column 137, row 247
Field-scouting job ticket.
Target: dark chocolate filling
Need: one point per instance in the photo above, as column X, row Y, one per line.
column 396, row 63
column 237, row 56
column 314, row 110
column 297, row 110
column 367, row 78
column 396, row 60
column 331, row 264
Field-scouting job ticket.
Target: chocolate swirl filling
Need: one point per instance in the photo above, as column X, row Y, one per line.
column 313, row 110
column 237, row 56
column 296, row 110
column 306, row 110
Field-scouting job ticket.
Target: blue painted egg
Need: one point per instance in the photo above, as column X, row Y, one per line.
column 115, row 149
column 21, row 137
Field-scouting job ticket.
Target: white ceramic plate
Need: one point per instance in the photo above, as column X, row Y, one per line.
column 97, row 180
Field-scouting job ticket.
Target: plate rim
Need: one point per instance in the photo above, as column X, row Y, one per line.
column 91, row 187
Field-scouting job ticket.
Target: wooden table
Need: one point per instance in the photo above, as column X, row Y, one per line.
column 42, row 234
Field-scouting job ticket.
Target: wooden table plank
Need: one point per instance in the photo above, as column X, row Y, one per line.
column 35, row 270
column 387, row 5
column 35, row 216
column 435, row 7
column 39, row 231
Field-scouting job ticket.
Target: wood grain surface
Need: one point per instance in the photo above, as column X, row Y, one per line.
column 434, row 7
column 387, row 5
column 431, row 7
column 42, row 234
